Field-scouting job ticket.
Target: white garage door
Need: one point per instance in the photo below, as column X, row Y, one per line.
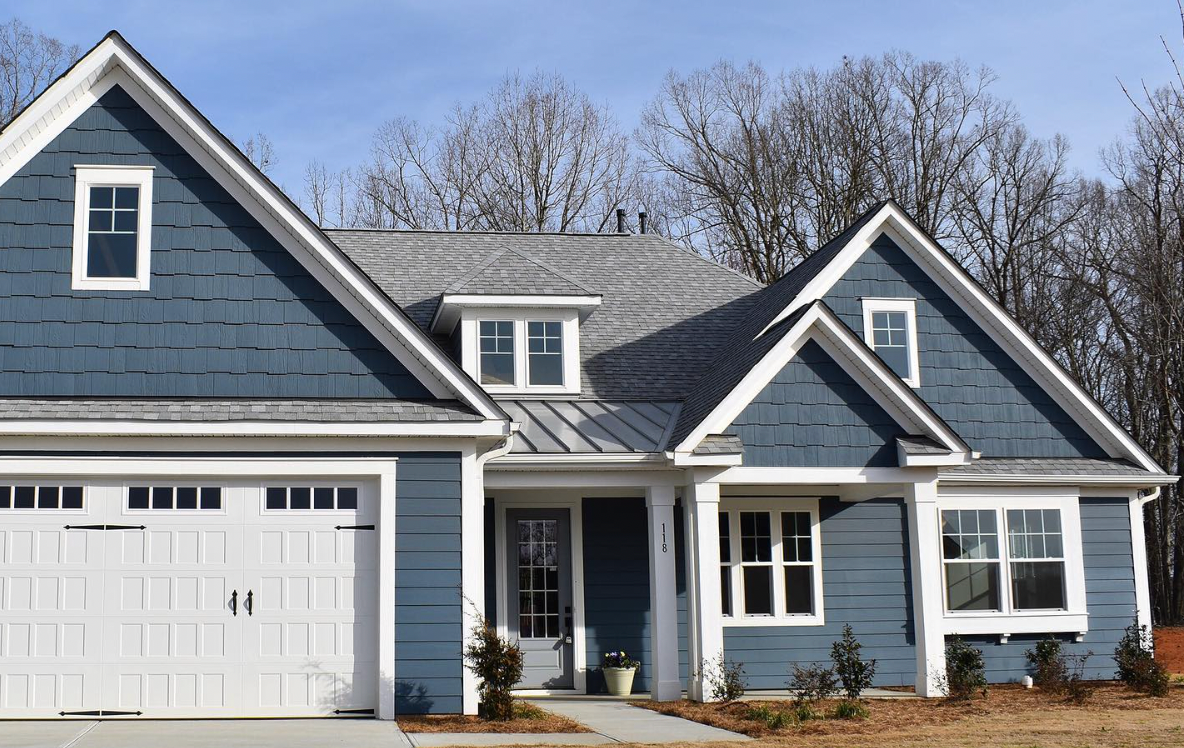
column 176, row 598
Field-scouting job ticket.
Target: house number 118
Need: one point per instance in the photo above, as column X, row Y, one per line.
column 663, row 537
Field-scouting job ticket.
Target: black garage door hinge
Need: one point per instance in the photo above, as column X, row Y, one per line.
column 106, row 527
column 353, row 711
column 354, row 527
column 100, row 713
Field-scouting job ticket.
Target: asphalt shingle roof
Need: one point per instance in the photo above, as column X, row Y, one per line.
column 665, row 316
column 508, row 271
column 151, row 409
column 921, row 445
column 1045, row 466
column 720, row 444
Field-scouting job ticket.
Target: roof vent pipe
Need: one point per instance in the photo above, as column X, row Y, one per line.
column 620, row 220
column 641, row 222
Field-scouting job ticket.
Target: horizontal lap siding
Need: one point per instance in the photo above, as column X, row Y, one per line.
column 865, row 582
column 813, row 414
column 428, row 606
column 965, row 376
column 1109, row 593
column 230, row 312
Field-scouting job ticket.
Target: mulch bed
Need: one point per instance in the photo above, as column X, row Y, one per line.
column 1169, row 648
column 527, row 719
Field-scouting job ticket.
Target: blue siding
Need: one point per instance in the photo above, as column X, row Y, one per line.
column 617, row 590
column 428, row 605
column 1109, row 592
column 813, row 414
column 865, row 578
column 970, row 382
column 230, row 312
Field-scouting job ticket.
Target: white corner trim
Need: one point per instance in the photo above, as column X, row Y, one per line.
column 987, row 313
column 113, row 61
column 909, row 307
column 840, row 343
column 1139, row 561
column 387, row 637
column 86, row 177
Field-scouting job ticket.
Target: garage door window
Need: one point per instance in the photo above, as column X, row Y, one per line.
column 174, row 497
column 40, row 497
column 312, row 498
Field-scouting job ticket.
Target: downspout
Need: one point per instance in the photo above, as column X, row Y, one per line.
column 1145, row 500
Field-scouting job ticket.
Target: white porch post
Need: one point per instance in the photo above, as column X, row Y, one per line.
column 1139, row 556
column 472, row 576
column 664, row 682
column 928, row 612
column 386, row 596
column 704, row 609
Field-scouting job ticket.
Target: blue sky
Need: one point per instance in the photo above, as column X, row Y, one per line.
column 319, row 77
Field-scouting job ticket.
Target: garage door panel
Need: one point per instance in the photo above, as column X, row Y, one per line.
column 46, row 690
column 174, row 690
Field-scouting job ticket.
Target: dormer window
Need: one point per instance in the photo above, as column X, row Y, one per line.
column 112, row 227
column 890, row 329
column 522, row 351
column 544, row 353
column 497, row 352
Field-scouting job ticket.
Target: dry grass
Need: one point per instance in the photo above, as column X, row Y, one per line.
column 527, row 718
column 1010, row 717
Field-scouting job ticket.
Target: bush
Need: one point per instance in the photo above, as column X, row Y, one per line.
column 497, row 663
column 1137, row 667
column 810, row 685
column 855, row 674
column 1077, row 688
column 1049, row 666
column 848, row 709
column 725, row 678
column 965, row 672
column 774, row 719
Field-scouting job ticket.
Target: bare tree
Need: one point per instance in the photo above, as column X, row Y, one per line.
column 29, row 61
column 260, row 152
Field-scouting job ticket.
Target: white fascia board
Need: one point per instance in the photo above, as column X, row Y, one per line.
column 988, row 314
column 586, row 481
column 1136, row 481
column 95, row 427
column 578, row 461
column 685, row 459
column 450, row 306
column 816, row 476
column 931, row 460
column 887, row 389
column 221, row 466
column 114, row 61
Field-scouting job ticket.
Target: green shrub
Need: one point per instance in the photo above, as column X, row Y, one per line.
column 774, row 719
column 497, row 663
column 810, row 685
column 848, row 709
column 1050, row 669
column 855, row 674
column 725, row 678
column 965, row 672
column 1137, row 667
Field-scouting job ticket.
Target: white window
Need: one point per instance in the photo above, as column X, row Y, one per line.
column 40, row 497
column 544, row 352
column 1014, row 558
column 174, row 498
column 312, row 498
column 112, row 227
column 522, row 351
column 496, row 338
column 771, row 571
column 890, row 329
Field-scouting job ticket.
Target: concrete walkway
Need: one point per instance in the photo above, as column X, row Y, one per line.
column 213, row 733
column 490, row 739
column 630, row 724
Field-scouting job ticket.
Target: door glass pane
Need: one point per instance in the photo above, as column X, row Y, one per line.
column 758, row 590
column 538, row 578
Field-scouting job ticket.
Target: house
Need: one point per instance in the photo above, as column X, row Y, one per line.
column 253, row 468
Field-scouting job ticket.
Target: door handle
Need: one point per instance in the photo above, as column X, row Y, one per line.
column 249, row 602
column 567, row 624
column 234, row 602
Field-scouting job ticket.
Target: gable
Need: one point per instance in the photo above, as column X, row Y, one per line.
column 814, row 414
column 966, row 377
column 230, row 313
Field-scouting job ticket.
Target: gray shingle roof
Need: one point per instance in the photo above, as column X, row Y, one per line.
column 665, row 316
column 921, row 445
column 1045, row 466
column 567, row 426
column 508, row 271
column 720, row 444
column 150, row 409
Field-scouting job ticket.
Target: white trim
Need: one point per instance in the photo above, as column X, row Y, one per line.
column 705, row 632
column 576, row 524
column 387, row 636
column 472, row 532
column 909, row 307
column 683, row 459
column 924, row 532
column 1006, row 622
column 589, row 481
column 1139, row 560
column 578, row 460
column 452, row 306
column 773, row 505
column 113, row 61
column 1150, row 479
column 665, row 683
column 86, row 177
column 470, row 339
column 821, row 325
column 248, row 428
column 987, row 313
column 184, row 467
column 815, row 476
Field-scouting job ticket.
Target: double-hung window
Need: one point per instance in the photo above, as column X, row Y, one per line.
column 1015, row 558
column 770, row 562
column 890, row 329
column 521, row 351
column 112, row 227
column 544, row 346
column 497, row 352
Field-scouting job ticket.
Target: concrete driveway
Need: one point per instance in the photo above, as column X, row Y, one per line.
column 243, row 733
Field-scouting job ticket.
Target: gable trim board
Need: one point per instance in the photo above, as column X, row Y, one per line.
column 115, row 62
column 891, row 220
column 819, row 324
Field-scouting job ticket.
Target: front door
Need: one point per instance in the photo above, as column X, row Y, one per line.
column 539, row 607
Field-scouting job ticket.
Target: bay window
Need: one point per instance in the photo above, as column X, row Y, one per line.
column 770, row 562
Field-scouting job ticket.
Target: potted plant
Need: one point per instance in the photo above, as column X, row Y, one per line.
column 619, row 669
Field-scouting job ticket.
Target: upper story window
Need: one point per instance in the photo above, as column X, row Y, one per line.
column 890, row 329
column 112, row 227
column 522, row 351
column 496, row 338
column 544, row 352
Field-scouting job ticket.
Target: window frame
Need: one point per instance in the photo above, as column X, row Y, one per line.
column 470, row 348
column 86, row 177
column 1008, row 620
column 909, row 307
column 514, row 349
column 774, row 506
column 297, row 482
column 11, row 509
column 529, row 354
